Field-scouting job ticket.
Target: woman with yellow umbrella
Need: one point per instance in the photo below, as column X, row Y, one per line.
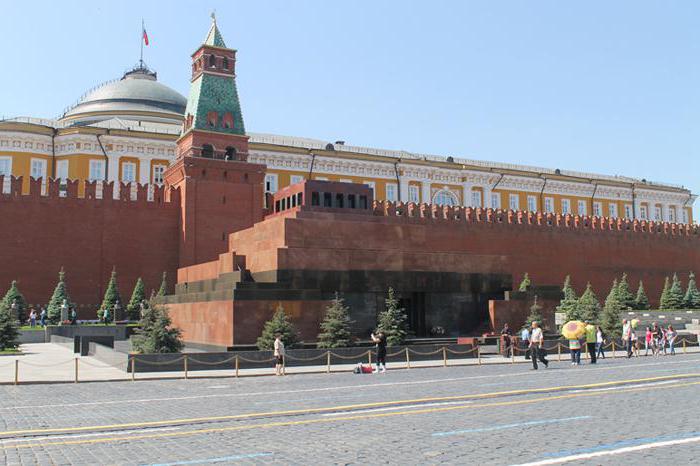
column 573, row 331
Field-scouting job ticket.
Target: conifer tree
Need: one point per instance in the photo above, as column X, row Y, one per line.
column 692, row 295
column 278, row 324
column 335, row 328
column 13, row 295
column 163, row 290
column 624, row 294
column 392, row 321
column 569, row 303
column 612, row 311
column 589, row 306
column 60, row 293
column 111, row 297
column 535, row 315
column 9, row 333
column 665, row 295
column 525, row 283
column 641, row 302
column 156, row 333
column 133, row 309
column 675, row 294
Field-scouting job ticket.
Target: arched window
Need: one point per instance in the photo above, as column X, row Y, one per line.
column 225, row 63
column 207, row 151
column 212, row 61
column 444, row 197
column 230, row 153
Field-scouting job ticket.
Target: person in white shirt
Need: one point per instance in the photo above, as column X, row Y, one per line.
column 536, row 350
column 525, row 341
column 279, row 355
column 627, row 336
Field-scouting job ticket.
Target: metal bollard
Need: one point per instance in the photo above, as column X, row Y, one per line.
column 237, row 366
column 16, row 371
column 408, row 360
column 76, row 370
column 444, row 356
column 186, row 375
column 328, row 362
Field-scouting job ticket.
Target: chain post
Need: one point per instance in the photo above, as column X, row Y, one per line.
column 76, row 370
column 237, row 366
column 512, row 354
column 684, row 345
column 408, row 359
column 133, row 368
column 444, row 356
column 186, row 374
column 559, row 352
column 16, row 371
column 369, row 357
column 613, row 348
column 328, row 362
column 478, row 353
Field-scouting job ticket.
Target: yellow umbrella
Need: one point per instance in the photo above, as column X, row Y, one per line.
column 573, row 329
column 634, row 323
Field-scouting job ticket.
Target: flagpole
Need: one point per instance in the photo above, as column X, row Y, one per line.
column 143, row 26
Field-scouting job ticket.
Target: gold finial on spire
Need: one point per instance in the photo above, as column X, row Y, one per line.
column 213, row 15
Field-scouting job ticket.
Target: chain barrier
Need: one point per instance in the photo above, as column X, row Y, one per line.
column 400, row 352
column 295, row 358
column 209, row 363
column 418, row 353
column 32, row 364
column 347, row 358
column 255, row 361
column 154, row 363
column 451, row 351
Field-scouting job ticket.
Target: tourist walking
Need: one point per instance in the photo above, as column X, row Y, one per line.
column 671, row 336
column 525, row 341
column 600, row 343
column 506, row 338
column 42, row 317
column 657, row 338
column 537, row 352
column 627, row 336
column 32, row 318
column 380, row 341
column 279, row 355
column 591, row 339
column 73, row 316
column 575, row 350
column 647, row 342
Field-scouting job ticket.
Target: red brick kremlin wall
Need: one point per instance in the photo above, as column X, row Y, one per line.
column 87, row 236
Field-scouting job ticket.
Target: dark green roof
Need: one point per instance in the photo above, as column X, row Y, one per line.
column 214, row 37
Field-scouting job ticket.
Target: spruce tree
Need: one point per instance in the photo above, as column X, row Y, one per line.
column 589, row 306
column 163, row 290
column 624, row 294
column 111, row 297
column 392, row 321
column 335, row 328
column 535, row 315
column 525, row 283
column 133, row 309
column 692, row 295
column 13, row 295
column 665, row 295
column 278, row 324
column 610, row 320
column 156, row 333
column 675, row 294
column 641, row 302
column 60, row 293
column 9, row 333
column 569, row 303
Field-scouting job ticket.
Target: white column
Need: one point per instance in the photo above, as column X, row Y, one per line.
column 486, row 204
column 466, row 194
column 637, row 208
column 144, row 171
column 425, row 194
column 664, row 212
column 113, row 174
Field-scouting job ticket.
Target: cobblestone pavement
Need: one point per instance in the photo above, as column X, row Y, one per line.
column 640, row 411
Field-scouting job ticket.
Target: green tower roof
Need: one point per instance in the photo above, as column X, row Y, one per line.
column 214, row 37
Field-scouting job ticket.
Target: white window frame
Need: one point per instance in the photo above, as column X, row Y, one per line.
column 612, row 210
column 413, row 194
column 643, row 212
column 128, row 168
column 658, row 214
column 532, row 203
column 6, row 171
column 597, row 209
column 271, row 183
column 476, row 198
column 97, row 170
column 62, row 167
column 495, row 200
column 671, row 214
column 42, row 170
column 628, row 211
column 565, row 206
column 513, row 201
column 684, row 212
column 446, row 194
column 156, row 169
column 294, row 179
column 581, row 207
column 549, row 204
column 391, row 191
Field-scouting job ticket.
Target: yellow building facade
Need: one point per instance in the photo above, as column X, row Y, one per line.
column 126, row 131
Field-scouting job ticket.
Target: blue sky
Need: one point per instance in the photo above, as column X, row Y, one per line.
column 608, row 87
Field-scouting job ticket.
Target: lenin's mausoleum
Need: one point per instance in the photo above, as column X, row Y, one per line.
column 138, row 178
